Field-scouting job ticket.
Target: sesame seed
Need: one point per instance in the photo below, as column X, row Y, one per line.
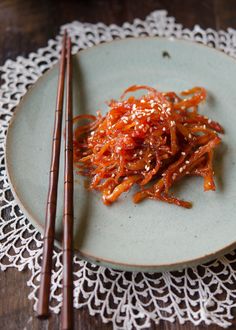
column 187, row 161
column 190, row 135
column 134, row 107
column 183, row 153
column 172, row 123
column 209, row 121
column 163, row 129
column 168, row 111
column 152, row 103
column 142, row 101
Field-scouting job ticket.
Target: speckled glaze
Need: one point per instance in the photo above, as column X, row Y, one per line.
column 152, row 235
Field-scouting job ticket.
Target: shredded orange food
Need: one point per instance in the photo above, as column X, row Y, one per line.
column 152, row 141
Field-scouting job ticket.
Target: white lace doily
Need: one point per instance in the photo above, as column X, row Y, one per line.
column 129, row 300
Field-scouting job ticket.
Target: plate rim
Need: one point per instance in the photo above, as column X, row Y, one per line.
column 160, row 267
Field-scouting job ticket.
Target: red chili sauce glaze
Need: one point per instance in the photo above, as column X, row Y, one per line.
column 152, row 141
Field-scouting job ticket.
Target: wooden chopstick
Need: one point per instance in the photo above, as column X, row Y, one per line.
column 67, row 288
column 49, row 232
column 68, row 214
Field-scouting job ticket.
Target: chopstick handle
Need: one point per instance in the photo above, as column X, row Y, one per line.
column 44, row 290
column 68, row 218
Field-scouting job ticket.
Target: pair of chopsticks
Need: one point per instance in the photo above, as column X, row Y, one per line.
column 67, row 289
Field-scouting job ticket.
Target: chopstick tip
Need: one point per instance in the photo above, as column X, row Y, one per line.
column 43, row 316
column 42, row 312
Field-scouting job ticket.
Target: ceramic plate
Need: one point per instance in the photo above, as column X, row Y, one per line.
column 151, row 235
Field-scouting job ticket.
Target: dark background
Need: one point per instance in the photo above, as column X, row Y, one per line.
column 26, row 25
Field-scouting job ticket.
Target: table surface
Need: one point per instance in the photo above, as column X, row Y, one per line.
column 26, row 26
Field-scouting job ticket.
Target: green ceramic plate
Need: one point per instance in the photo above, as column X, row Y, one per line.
column 152, row 235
